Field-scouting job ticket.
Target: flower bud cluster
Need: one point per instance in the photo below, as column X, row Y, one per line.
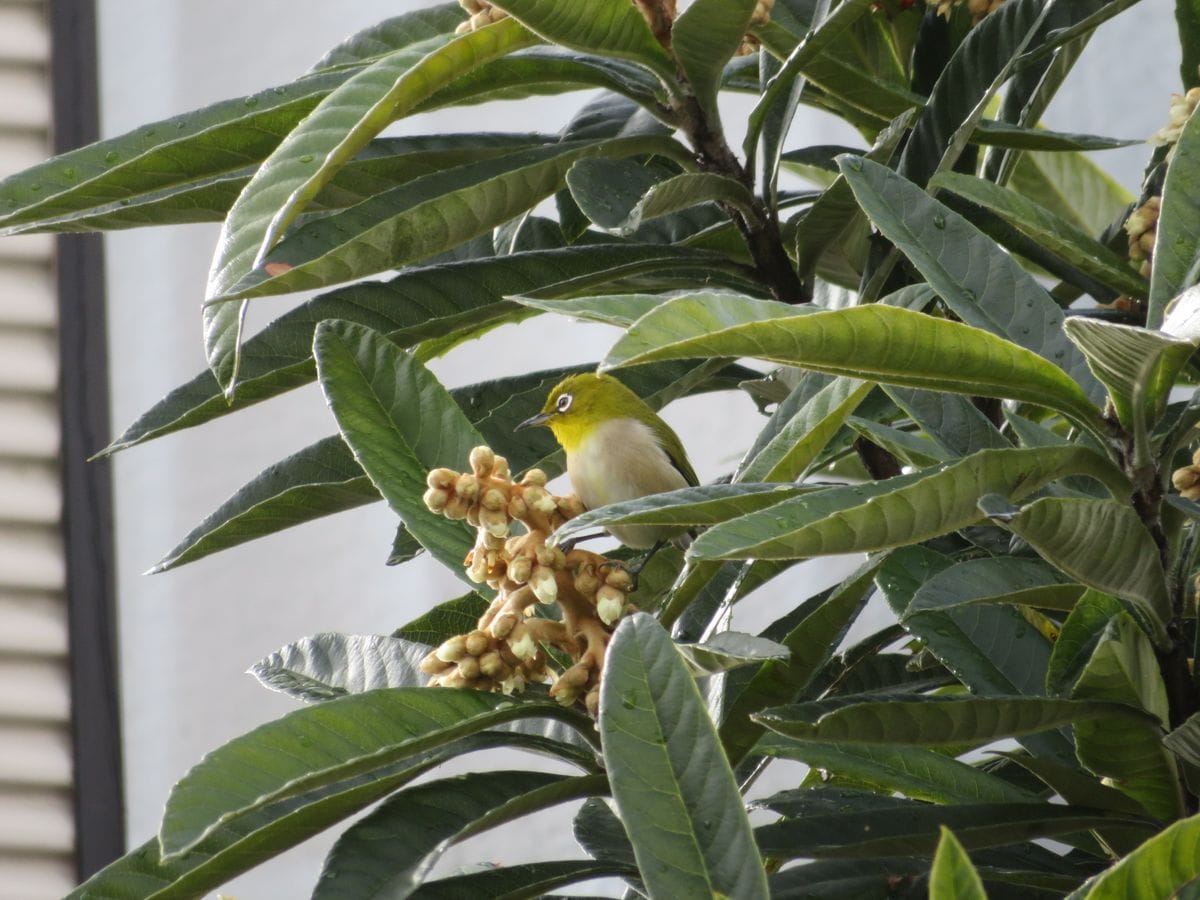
column 760, row 16
column 1142, row 230
column 1187, row 479
column 507, row 649
column 1181, row 109
column 482, row 13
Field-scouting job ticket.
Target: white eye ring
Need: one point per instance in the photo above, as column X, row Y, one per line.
column 564, row 402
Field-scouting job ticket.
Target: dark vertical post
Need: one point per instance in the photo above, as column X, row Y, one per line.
column 87, row 486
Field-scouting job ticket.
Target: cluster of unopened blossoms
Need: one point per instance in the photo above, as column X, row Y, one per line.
column 1187, row 479
column 508, row 647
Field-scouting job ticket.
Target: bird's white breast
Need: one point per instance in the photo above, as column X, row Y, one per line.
column 622, row 460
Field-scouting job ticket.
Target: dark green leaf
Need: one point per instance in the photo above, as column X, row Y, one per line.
column 1176, row 264
column 1078, row 638
column 457, row 616
column 939, row 720
column 326, row 743
column 1161, row 867
column 671, row 783
column 902, row 510
column 389, row 852
column 980, row 283
column 1103, row 544
column 400, row 422
column 952, row 876
column 876, row 342
column 703, row 39
column 995, row 580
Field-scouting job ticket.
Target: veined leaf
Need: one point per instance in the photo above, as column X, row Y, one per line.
column 390, row 851
column 331, row 665
column 811, row 642
column 1164, row 865
column 335, row 131
column 952, row 876
column 793, row 449
column 1072, row 186
column 428, row 216
column 523, row 880
column 937, row 721
column 1176, row 264
column 875, row 342
column 326, row 743
column 912, row 830
column 703, row 38
column 1128, row 752
column 705, row 505
column 399, row 422
column 917, row 772
column 672, row 785
column 457, row 616
column 980, row 283
column 995, row 580
column 996, row 133
column 879, row 516
column 1103, row 544
column 730, row 650
column 951, row 421
column 382, row 38
column 1057, row 235
column 608, row 27
column 685, row 191
column 1078, row 638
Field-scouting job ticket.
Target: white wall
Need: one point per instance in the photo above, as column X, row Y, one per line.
column 188, row 636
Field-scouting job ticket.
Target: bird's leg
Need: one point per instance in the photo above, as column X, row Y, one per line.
column 569, row 544
column 636, row 570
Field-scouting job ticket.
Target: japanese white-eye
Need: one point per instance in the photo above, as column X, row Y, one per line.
column 617, row 449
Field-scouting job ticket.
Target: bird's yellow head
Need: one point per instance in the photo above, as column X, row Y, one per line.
column 580, row 403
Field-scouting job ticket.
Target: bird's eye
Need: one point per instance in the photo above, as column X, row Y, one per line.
column 564, row 402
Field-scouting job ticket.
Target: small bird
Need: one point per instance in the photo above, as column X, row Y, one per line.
column 617, row 447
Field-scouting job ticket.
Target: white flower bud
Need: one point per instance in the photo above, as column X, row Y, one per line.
column 610, row 603
column 482, row 459
column 452, row 650
column 524, row 647
column 535, row 476
column 544, row 585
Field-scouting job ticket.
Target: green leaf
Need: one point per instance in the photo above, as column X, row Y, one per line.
column 991, row 649
column 1161, row 867
column 1078, row 638
column 804, row 432
column 671, row 783
column 995, row 133
column 457, row 616
column 1176, row 264
column 832, row 221
column 1059, row 236
column 389, row 852
column 326, row 743
column 524, row 880
column 415, row 305
column 995, row 580
column 952, row 422
column 399, row 422
column 331, row 665
column 810, row 642
column 183, row 150
column 938, row 721
column 1184, row 741
column 383, row 37
column 980, row 283
column 428, row 216
column 1137, row 366
column 913, row 830
column 703, row 38
column 1129, row 753
column 899, row 511
column 730, row 650
column 876, row 342
column 952, row 876
column 973, row 74
column 683, row 192
column 246, row 841
column 1072, row 186
column 607, row 27
column 319, row 480
column 705, row 505
column 1103, row 544
column 341, row 125
column 914, row 771
column 781, row 89
column 1187, row 18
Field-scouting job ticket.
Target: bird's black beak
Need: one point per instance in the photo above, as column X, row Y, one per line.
column 534, row 421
